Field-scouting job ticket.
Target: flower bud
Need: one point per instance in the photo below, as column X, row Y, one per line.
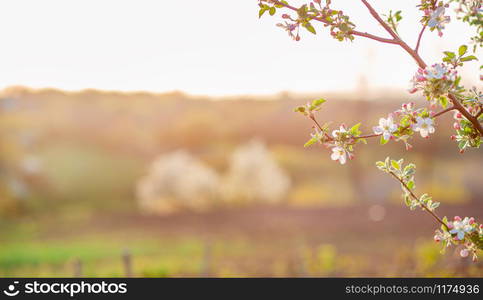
column 464, row 253
column 471, row 221
column 437, row 238
column 450, row 225
column 457, row 218
column 457, row 126
column 453, row 137
column 285, row 16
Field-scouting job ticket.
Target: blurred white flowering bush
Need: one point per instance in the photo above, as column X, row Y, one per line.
column 177, row 181
column 254, row 176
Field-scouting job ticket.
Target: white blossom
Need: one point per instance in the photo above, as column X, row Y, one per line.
column 424, row 126
column 460, row 228
column 437, row 18
column 340, row 154
column 337, row 133
column 386, row 128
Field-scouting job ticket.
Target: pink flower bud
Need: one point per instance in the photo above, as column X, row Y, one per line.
column 457, row 218
column 450, row 225
column 471, row 221
column 437, row 238
column 462, row 151
column 457, row 126
column 285, row 16
column 409, row 147
column 464, row 253
column 413, row 90
column 453, row 137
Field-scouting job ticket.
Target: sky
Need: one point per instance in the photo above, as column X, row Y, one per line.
column 211, row 47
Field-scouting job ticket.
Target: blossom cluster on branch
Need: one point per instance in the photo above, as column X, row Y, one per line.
column 466, row 231
column 439, row 83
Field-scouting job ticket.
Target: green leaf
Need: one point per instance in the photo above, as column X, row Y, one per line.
column 449, row 54
column 383, row 141
column 395, row 165
column 272, row 10
column 462, row 50
column 407, row 200
column 444, row 101
column 434, row 205
column 261, row 12
column 300, row 109
column 310, row 28
column 468, row 58
column 311, row 142
column 410, row 184
column 380, row 165
column 318, row 102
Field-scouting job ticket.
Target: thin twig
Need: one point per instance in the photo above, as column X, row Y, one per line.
column 354, row 32
column 425, row 208
column 329, row 138
column 444, row 111
column 398, row 40
column 419, row 39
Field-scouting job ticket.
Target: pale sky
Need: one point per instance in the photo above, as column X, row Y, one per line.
column 211, row 47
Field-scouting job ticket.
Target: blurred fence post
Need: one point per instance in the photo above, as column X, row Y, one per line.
column 127, row 263
column 206, row 263
column 301, row 262
column 77, row 268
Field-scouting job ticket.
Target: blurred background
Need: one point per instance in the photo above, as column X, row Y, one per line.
column 131, row 146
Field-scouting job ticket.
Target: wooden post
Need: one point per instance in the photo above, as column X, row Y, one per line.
column 77, row 268
column 206, row 264
column 127, row 263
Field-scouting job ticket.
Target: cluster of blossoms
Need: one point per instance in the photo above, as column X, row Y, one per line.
column 460, row 231
column 409, row 120
column 342, row 149
column 341, row 141
column 435, row 82
column 434, row 15
column 439, row 83
column 470, row 11
column 400, row 125
column 340, row 25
